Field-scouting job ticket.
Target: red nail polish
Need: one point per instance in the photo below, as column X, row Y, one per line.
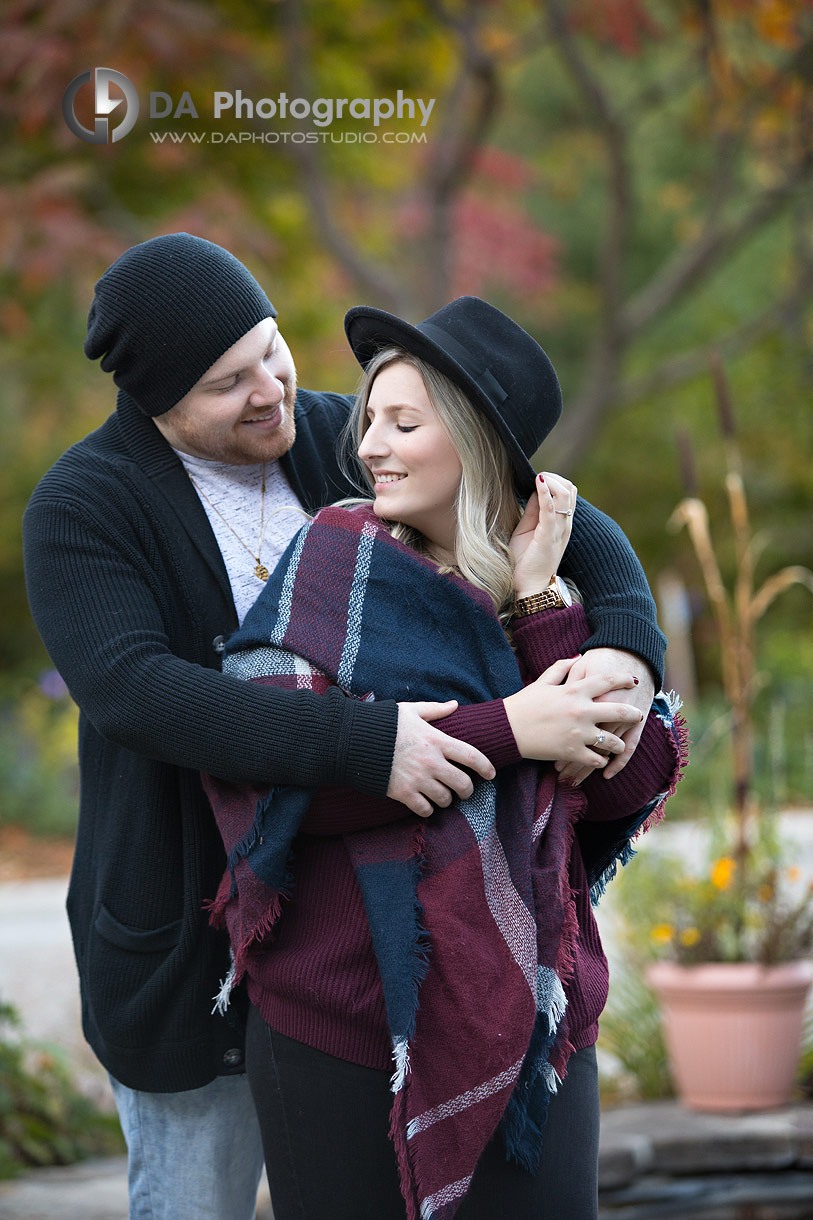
column 541, row 478
column 635, row 680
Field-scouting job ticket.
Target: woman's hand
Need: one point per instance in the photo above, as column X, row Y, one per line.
column 603, row 660
column 554, row 722
column 539, row 540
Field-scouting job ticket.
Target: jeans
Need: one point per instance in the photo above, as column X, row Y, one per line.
column 195, row 1155
column 324, row 1123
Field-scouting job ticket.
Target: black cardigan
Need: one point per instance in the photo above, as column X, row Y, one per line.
column 130, row 594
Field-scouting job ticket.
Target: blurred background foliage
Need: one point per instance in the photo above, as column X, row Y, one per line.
column 630, row 179
column 44, row 1118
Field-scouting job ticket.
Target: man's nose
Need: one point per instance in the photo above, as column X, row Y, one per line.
column 267, row 387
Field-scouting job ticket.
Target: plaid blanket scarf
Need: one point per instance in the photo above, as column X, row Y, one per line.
column 470, row 910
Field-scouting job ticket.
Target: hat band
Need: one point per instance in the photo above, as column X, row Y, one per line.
column 485, row 379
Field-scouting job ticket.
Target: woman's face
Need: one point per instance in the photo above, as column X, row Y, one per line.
column 413, row 463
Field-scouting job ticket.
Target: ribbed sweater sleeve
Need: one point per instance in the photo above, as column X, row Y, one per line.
column 543, row 638
column 540, row 639
column 98, row 607
column 620, row 609
column 337, row 811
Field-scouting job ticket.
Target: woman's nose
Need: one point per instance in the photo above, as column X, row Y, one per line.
column 372, row 444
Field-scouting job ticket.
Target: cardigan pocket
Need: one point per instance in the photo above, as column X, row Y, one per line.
column 138, row 940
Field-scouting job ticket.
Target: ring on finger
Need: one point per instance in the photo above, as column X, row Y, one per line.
column 600, row 738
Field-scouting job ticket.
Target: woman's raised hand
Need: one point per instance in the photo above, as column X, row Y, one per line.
column 554, row 722
column 539, row 540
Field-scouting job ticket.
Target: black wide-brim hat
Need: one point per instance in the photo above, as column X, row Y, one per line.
column 502, row 369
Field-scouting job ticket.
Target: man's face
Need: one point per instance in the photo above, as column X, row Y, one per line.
column 242, row 410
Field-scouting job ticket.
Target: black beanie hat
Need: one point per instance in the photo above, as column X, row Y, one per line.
column 165, row 311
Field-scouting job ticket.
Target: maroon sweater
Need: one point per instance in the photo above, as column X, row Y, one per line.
column 318, row 981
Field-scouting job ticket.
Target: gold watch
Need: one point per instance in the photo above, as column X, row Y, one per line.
column 554, row 596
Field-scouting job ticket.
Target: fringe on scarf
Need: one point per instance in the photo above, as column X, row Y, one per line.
column 669, row 714
column 398, row 1128
column 239, row 958
column 217, row 906
column 227, row 891
column 224, row 994
column 523, row 1123
column 418, row 964
column 251, row 838
column 574, row 803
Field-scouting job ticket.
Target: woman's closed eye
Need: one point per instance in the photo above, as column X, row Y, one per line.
column 406, row 427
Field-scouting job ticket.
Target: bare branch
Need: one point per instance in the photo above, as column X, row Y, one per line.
column 614, row 135
column 601, row 395
column 470, row 109
column 583, row 417
column 584, row 412
column 691, row 266
column 689, row 364
column 640, row 104
column 468, row 113
column 385, row 289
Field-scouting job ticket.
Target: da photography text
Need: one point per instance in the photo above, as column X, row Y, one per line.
column 322, row 111
column 116, row 107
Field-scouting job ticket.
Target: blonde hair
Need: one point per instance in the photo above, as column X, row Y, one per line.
column 486, row 507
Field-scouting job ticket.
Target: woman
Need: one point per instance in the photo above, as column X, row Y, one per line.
column 461, row 946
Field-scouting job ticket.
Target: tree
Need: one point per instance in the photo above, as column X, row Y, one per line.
column 596, row 168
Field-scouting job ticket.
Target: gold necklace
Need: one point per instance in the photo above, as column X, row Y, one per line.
column 260, row 570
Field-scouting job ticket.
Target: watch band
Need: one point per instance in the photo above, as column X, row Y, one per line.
column 548, row 599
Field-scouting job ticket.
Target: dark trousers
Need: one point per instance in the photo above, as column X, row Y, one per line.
column 324, row 1125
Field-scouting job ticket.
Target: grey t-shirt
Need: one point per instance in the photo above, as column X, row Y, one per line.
column 236, row 492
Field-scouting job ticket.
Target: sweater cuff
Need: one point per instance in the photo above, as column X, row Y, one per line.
column 548, row 636
column 368, row 745
column 633, row 634
column 484, row 726
column 652, row 769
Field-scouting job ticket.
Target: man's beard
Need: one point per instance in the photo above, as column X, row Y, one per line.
column 260, row 448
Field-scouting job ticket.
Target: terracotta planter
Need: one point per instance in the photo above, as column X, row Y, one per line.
column 733, row 1031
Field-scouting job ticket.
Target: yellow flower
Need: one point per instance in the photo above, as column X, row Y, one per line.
column 689, row 937
column 722, row 873
column 794, row 873
column 662, row 933
column 765, row 893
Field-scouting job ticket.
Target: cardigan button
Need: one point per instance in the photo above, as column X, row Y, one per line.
column 233, row 1057
column 219, row 643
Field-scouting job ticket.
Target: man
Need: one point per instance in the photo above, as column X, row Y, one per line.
column 144, row 546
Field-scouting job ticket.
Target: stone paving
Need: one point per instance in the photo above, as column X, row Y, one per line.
column 657, row 1160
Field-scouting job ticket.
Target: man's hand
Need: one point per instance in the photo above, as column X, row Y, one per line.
column 640, row 695
column 423, row 770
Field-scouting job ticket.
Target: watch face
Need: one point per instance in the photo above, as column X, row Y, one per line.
column 564, row 592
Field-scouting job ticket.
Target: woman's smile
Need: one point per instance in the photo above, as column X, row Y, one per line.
column 385, row 480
